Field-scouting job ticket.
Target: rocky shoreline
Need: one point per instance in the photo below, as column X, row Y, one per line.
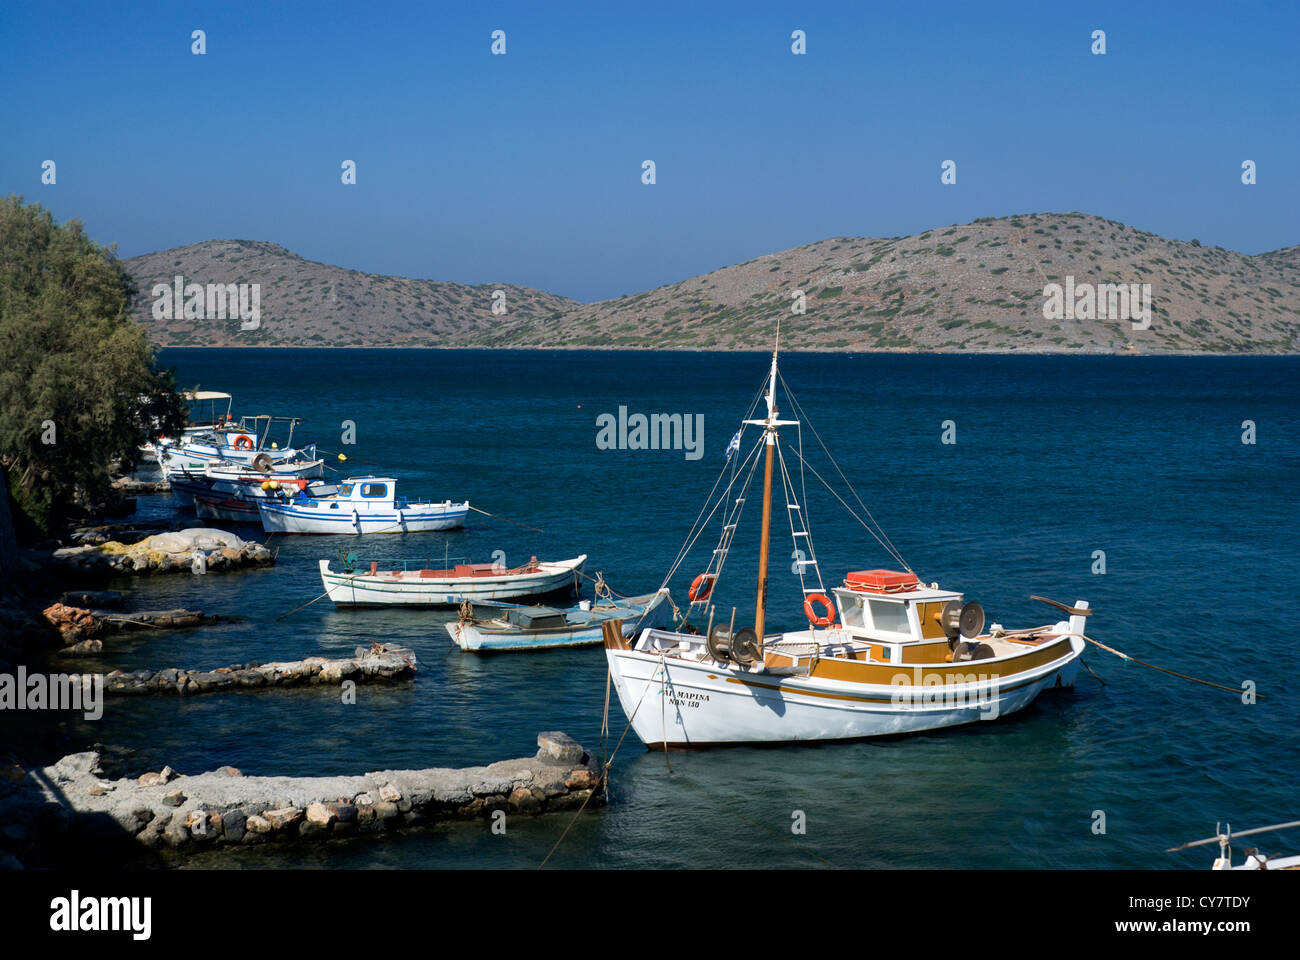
column 166, row 811
column 367, row 664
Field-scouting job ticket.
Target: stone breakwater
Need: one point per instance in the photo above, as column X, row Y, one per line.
column 224, row 807
column 367, row 664
column 197, row 550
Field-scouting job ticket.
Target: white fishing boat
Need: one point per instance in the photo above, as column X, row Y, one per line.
column 362, row 505
column 246, row 442
column 888, row 654
column 1254, row 858
column 500, row 627
column 234, row 479
column 199, row 420
column 236, row 501
column 417, row 585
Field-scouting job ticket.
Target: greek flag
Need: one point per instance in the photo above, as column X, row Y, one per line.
column 734, row 445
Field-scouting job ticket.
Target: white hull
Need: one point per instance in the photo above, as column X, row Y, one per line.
column 410, row 589
column 705, row 703
column 290, row 517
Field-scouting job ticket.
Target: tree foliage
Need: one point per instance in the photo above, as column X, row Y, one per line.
column 80, row 388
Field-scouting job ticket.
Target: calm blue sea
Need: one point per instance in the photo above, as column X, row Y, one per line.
column 1056, row 458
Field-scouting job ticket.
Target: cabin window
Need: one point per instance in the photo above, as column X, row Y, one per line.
column 374, row 489
column 345, row 491
column 889, row 616
column 852, row 611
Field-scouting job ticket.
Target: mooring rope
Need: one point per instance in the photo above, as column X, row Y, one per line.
column 506, row 520
column 606, row 764
column 1143, row 663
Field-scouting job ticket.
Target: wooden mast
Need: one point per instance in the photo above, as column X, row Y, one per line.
column 760, row 603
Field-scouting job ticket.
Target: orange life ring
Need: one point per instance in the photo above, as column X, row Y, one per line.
column 827, row 618
column 243, row 442
column 695, row 593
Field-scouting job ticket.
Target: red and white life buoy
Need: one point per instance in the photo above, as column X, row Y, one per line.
column 243, row 442
column 826, row 619
column 695, row 593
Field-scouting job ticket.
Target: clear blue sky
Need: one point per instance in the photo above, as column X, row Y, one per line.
column 526, row 167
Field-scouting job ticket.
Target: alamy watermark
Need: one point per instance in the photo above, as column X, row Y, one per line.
column 58, row 691
column 1102, row 301
column 658, row 431
column 213, row 301
column 948, row 690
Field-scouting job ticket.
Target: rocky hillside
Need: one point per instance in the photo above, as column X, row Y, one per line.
column 304, row 303
column 977, row 287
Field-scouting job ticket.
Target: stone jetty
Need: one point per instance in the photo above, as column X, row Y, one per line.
column 196, row 550
column 223, row 807
column 377, row 662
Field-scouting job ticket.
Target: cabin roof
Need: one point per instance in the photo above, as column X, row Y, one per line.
column 920, row 594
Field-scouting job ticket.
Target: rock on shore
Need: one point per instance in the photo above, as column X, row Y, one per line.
column 80, row 628
column 198, row 550
column 222, row 807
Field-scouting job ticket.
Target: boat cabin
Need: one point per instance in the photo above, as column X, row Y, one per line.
column 369, row 489
column 893, row 610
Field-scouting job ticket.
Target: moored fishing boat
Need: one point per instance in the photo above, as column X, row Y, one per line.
column 247, row 442
column 196, row 421
column 888, row 655
column 236, row 501
column 362, row 505
column 230, row 479
column 416, row 585
column 493, row 627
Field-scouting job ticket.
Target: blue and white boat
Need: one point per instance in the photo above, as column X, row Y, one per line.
column 492, row 627
column 362, row 505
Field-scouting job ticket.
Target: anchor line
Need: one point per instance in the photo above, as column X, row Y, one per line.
column 663, row 726
column 506, row 520
column 1142, row 663
column 311, row 601
column 606, row 764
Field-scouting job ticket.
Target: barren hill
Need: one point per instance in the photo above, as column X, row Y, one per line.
column 977, row 287
column 304, row 303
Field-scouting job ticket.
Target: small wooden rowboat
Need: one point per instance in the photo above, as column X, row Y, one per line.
column 500, row 627
column 416, row 586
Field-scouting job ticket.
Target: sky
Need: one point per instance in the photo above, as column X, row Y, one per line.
column 527, row 167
